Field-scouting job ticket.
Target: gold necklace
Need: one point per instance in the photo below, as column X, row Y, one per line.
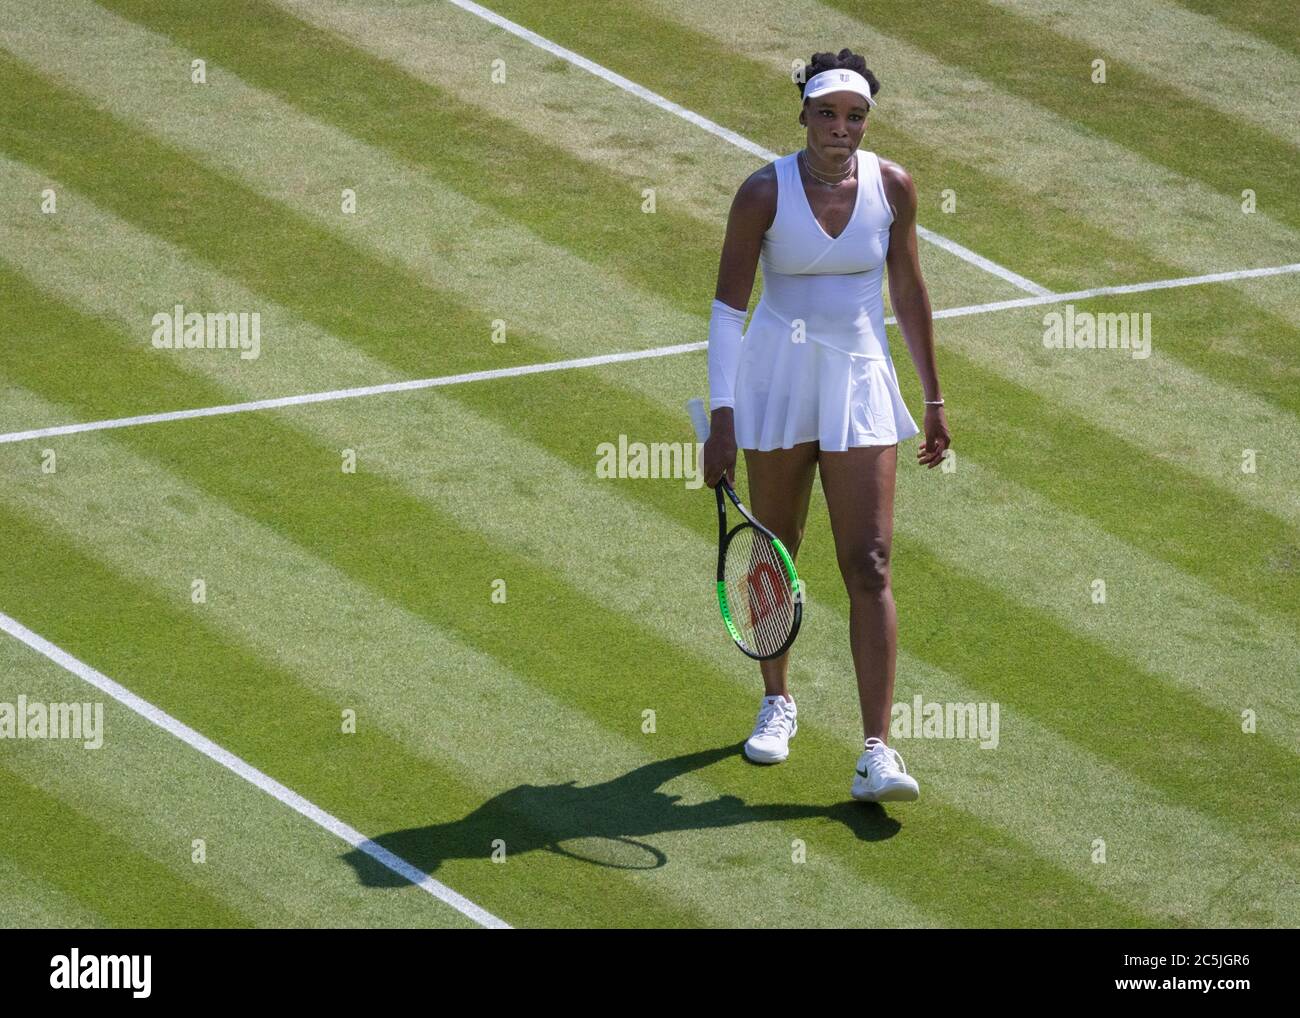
column 816, row 176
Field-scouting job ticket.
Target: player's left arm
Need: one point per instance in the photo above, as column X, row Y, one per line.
column 911, row 304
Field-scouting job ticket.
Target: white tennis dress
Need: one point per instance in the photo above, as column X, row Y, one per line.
column 814, row 363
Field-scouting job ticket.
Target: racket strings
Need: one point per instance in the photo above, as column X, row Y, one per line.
column 766, row 601
column 758, row 591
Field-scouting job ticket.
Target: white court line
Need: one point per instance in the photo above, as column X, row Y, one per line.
column 641, row 92
column 609, row 358
column 1106, row 291
column 250, row 774
column 334, row 394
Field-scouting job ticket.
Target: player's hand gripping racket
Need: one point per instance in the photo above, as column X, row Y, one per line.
column 758, row 590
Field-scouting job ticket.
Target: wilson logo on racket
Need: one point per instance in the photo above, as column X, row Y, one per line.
column 760, row 606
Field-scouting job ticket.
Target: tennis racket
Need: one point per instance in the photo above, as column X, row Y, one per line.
column 759, row 593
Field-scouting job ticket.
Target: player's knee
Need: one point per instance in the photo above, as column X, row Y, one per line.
column 866, row 567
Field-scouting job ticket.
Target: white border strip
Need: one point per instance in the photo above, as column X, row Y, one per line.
column 336, row 394
column 587, row 362
column 250, row 774
column 641, row 92
column 1106, row 291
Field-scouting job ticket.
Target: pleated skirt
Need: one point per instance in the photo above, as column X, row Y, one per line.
column 787, row 393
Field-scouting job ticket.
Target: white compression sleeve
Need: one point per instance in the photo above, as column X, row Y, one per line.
column 726, row 327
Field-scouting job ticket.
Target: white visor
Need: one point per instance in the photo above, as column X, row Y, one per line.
column 838, row 79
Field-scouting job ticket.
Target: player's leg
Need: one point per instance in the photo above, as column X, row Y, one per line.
column 780, row 486
column 859, row 487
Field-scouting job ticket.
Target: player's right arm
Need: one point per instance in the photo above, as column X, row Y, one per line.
column 752, row 212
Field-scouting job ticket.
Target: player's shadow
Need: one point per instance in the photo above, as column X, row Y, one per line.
column 600, row 824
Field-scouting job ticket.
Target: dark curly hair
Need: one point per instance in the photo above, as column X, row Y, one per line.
column 847, row 59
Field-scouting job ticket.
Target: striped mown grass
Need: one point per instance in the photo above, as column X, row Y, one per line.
column 1037, row 189
column 1074, row 209
column 299, row 458
column 1131, row 108
column 476, row 504
column 1257, row 17
column 392, row 692
column 1238, row 74
column 523, row 722
column 379, row 537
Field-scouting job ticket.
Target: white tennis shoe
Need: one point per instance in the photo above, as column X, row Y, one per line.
column 882, row 776
column 773, row 731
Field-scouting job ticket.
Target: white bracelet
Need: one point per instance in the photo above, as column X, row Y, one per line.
column 934, row 402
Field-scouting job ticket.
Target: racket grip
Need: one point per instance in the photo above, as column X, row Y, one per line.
column 699, row 418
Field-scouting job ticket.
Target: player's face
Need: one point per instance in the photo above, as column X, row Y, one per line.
column 835, row 122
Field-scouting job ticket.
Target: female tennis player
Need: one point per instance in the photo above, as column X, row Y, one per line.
column 811, row 385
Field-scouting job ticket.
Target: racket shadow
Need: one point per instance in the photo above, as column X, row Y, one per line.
column 601, row 824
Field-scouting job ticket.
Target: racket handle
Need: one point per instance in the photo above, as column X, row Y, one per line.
column 699, row 418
